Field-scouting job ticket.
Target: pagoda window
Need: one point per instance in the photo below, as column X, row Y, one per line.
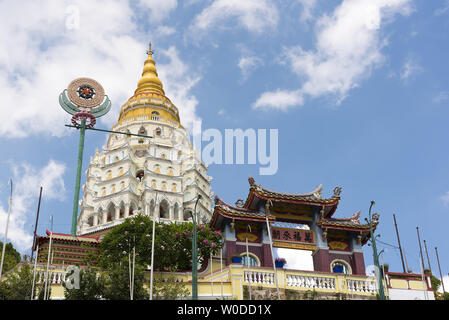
column 120, row 171
column 173, row 188
column 140, row 174
column 339, row 266
column 164, row 210
column 142, row 131
column 132, row 209
column 158, row 131
column 116, row 158
column 153, row 184
column 164, row 186
column 122, row 185
column 170, row 171
column 156, row 168
column 113, row 188
column 103, row 193
column 155, row 113
column 163, row 156
column 109, row 175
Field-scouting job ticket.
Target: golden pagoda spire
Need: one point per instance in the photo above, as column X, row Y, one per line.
column 150, row 81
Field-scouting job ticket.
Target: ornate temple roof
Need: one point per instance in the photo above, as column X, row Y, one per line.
column 313, row 198
column 229, row 211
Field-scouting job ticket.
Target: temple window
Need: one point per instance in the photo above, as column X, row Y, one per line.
column 155, row 113
column 116, row 158
column 120, row 171
column 339, row 266
column 164, row 185
column 122, row 185
column 103, row 193
column 158, row 131
column 113, row 188
column 156, row 168
column 173, row 188
column 252, row 260
column 170, row 171
column 153, row 184
column 109, row 175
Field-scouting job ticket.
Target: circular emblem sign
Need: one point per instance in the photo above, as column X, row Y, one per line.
column 85, row 92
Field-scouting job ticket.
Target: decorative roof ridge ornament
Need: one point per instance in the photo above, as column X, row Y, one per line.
column 316, row 193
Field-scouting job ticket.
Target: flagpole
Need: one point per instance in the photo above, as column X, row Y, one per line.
column 221, row 271
column 6, row 231
column 422, row 262
column 48, row 259
column 34, row 272
column 441, row 275
column 247, row 261
column 152, row 248
column 272, row 254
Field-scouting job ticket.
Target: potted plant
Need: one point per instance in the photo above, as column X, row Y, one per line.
column 279, row 262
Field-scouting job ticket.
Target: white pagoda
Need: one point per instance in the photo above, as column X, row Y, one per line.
column 162, row 174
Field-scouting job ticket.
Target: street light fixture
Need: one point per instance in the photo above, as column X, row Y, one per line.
column 375, row 254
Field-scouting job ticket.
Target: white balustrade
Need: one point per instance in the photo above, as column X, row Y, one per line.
column 366, row 286
column 258, row 277
column 311, row 282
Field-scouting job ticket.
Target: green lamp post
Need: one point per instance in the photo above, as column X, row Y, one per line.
column 372, row 219
column 85, row 100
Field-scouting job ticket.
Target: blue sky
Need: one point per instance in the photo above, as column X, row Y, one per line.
column 357, row 89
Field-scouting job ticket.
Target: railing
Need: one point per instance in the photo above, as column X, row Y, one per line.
column 305, row 280
column 259, row 277
column 365, row 286
column 55, row 277
column 310, row 282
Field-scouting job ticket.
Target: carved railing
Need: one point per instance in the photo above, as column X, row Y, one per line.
column 259, row 277
column 310, row 282
column 362, row 286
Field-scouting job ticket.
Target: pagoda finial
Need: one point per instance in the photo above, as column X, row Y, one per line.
column 149, row 82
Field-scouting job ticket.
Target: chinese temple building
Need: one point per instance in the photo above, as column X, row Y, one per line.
column 303, row 222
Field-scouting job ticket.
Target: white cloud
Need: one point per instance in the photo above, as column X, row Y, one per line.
column 308, row 6
column 51, row 43
column 280, row 99
column 159, row 9
column 178, row 80
column 254, row 15
column 442, row 10
column 441, row 96
column 409, row 69
column 445, row 199
column 164, row 31
column 27, row 181
column 247, row 64
column 348, row 47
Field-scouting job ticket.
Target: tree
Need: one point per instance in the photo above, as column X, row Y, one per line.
column 117, row 282
column 91, row 286
column 168, row 288
column 17, row 285
column 172, row 249
column 12, row 257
